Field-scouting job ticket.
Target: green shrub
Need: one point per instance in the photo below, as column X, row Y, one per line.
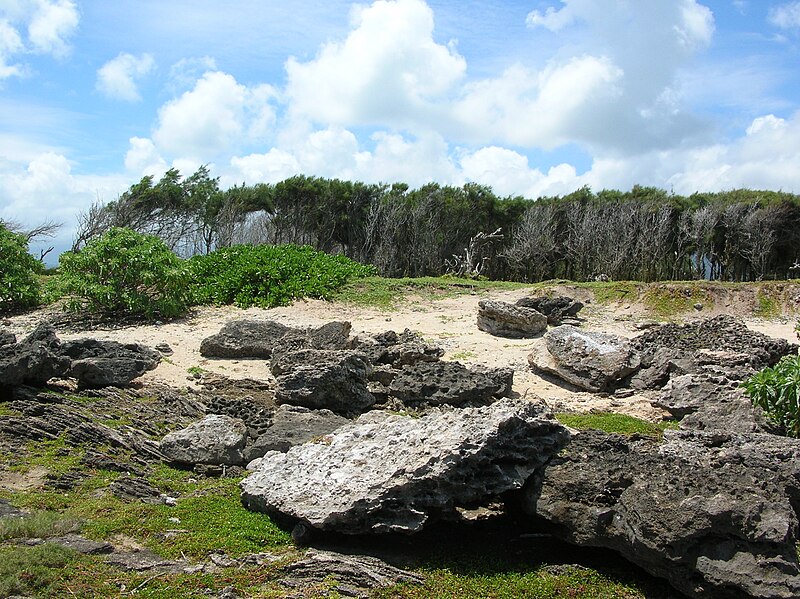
column 125, row 271
column 268, row 276
column 19, row 285
column 776, row 390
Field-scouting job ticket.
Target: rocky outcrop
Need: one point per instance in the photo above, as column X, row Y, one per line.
column 97, row 363
column 507, row 320
column 258, row 339
column 437, row 383
column 391, row 349
column 591, row 361
column 390, row 473
column 294, row 425
column 7, row 337
column 215, row 439
column 334, row 380
column 34, row 360
column 713, row 513
column 556, row 308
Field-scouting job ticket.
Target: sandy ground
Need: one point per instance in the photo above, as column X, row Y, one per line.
column 448, row 322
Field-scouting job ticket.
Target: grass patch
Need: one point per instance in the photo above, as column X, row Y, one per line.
column 666, row 301
column 55, row 455
column 36, row 525
column 611, row 422
column 29, row 570
column 463, row 355
column 767, row 306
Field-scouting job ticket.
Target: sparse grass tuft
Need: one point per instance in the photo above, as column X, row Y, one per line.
column 37, row 525
column 767, row 306
column 611, row 422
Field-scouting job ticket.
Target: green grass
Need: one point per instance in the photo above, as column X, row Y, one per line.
column 55, row 455
column 767, row 306
column 36, row 525
column 27, row 570
column 611, row 422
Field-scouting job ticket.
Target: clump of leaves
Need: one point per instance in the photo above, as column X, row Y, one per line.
column 19, row 285
column 776, row 390
column 268, row 276
column 126, row 272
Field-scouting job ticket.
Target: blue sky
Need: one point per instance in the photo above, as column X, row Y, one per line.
column 533, row 98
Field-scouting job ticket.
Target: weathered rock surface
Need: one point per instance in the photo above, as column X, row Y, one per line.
column 437, row 383
column 216, row 439
column 334, row 380
column 294, row 425
column 391, row 473
column 97, row 363
column 258, row 339
column 556, row 308
column 591, row 361
column 34, row 360
column 354, row 575
column 713, row 513
column 507, row 320
column 7, row 337
column 391, row 349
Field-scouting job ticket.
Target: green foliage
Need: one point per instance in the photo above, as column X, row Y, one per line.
column 19, row 284
column 126, row 272
column 36, row 525
column 767, row 306
column 28, row 570
column 611, row 422
column 776, row 390
column 268, row 276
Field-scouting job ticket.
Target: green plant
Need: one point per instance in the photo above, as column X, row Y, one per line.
column 28, row 570
column 19, row 283
column 776, row 390
column 125, row 271
column 611, row 422
column 767, row 305
column 37, row 524
column 268, row 276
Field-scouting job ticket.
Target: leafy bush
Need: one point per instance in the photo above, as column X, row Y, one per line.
column 19, row 286
column 776, row 390
column 125, row 271
column 267, row 276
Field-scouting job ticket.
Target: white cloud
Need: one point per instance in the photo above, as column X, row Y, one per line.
column 10, row 44
column 214, row 117
column 118, row 77
column 785, row 16
column 185, row 73
column 142, row 158
column 388, row 70
column 271, row 167
column 52, row 24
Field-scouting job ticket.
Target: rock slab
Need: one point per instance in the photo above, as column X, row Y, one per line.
column 507, row 320
column 216, row 439
column 390, row 473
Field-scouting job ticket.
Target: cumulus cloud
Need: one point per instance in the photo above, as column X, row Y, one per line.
column 785, row 16
column 119, row 76
column 10, row 44
column 52, row 24
column 389, row 69
column 142, row 158
column 214, row 117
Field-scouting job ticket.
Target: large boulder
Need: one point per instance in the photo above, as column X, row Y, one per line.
column 258, row 339
column 34, row 360
column 216, row 439
column 556, row 308
column 591, row 361
column 713, row 513
column 96, row 363
column 437, row 383
column 334, row 380
column 390, row 473
column 507, row 320
column 294, row 425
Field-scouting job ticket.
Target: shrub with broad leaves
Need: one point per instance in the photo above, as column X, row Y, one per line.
column 19, row 283
column 776, row 390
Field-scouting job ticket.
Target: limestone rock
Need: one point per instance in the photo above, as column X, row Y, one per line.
column 591, row 361
column 391, row 473
column 34, row 360
column 98, row 363
column 711, row 512
column 555, row 308
column 294, row 425
column 391, row 349
column 215, row 439
column 437, row 383
column 507, row 320
column 334, row 380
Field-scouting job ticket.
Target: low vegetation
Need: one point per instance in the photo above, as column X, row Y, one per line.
column 19, row 270
column 776, row 390
column 611, row 422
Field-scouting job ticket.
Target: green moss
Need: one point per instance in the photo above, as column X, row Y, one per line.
column 611, row 422
column 669, row 300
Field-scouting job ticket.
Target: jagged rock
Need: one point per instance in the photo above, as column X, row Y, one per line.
column 710, row 512
column 9, row 511
column 507, row 320
column 7, row 337
column 353, row 575
column 76, row 543
column 144, row 560
column 164, row 349
column 555, row 308
column 135, row 489
column 334, row 380
column 395, row 350
column 437, row 383
column 658, row 366
column 392, row 473
column 216, row 439
column 258, row 339
column 591, row 361
column 34, row 360
column 98, row 363
column 294, row 425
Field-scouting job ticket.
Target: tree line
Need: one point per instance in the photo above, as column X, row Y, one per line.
column 644, row 234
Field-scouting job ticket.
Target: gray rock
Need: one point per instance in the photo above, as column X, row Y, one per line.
column 96, row 363
column 591, row 361
column 258, row 339
column 390, row 473
column 294, row 425
column 215, row 439
column 82, row 545
column 507, row 320
column 7, row 337
column 334, row 380
column 437, row 383
column 555, row 308
column 391, row 349
column 710, row 512
column 34, row 360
